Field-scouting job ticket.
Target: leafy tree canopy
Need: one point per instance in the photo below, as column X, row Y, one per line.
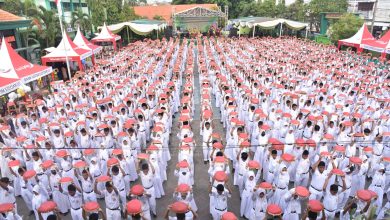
column 345, row 27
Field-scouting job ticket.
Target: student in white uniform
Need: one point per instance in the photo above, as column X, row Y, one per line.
column 75, row 198
column 221, row 195
column 147, row 179
column 318, row 179
column 303, row 169
column 331, row 197
column 207, row 131
column 111, row 197
column 87, row 186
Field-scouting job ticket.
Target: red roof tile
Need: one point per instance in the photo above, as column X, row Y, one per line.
column 6, row 16
column 166, row 11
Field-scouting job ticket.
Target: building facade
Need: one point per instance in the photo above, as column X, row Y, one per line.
column 365, row 8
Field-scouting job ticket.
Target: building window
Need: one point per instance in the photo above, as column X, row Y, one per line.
column 365, row 6
column 53, row 6
column 84, row 5
column 66, row 6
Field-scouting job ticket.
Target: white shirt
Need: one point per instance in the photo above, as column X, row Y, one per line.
column 220, row 201
column 111, row 199
column 7, row 196
column 76, row 201
column 318, row 179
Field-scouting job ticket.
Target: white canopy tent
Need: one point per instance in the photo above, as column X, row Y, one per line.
column 140, row 27
column 269, row 23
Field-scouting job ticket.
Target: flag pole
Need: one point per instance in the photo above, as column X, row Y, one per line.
column 64, row 36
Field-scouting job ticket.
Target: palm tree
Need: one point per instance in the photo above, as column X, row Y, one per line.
column 46, row 21
column 81, row 19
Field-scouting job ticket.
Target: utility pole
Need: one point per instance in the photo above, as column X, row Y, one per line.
column 373, row 15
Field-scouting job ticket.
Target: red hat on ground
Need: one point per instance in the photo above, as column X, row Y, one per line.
column 179, row 207
column 302, row 191
column 47, row 206
column 91, row 206
column 134, row 207
column 315, row 206
column 229, row 216
column 274, row 210
column 6, row 207
column 137, row 190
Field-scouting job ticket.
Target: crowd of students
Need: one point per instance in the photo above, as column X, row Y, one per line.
column 307, row 134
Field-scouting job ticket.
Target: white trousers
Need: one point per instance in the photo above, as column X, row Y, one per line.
column 77, row 214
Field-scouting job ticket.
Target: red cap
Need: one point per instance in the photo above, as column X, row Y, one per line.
column 80, row 164
column 337, row 172
column 183, row 164
column 253, row 165
column 311, row 143
column 315, row 206
column 62, row 153
column 6, row 207
column 355, row 160
column 182, row 188
column 143, row 156
column 117, row 152
column 29, row 174
column 47, row 206
column 373, row 194
column 339, row 148
column 218, row 145
column 265, row 185
column 134, row 207
column 47, row 164
column 274, row 210
column 137, row 190
column 326, row 154
column 91, row 206
column 13, row 163
column 229, row 216
column 302, row 191
column 89, row 151
column 103, row 179
column 287, row 157
column 66, row 179
column 328, row 136
column 364, row 195
column 112, row 162
column 386, row 159
column 179, row 207
column 220, row 176
column 152, row 148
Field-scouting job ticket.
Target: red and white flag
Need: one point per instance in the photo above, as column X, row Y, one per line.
column 59, row 8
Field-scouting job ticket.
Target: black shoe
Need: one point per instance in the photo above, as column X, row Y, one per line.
column 205, row 162
column 31, row 213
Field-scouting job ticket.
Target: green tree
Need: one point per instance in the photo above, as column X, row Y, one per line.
column 46, row 22
column 81, row 19
column 345, row 27
column 316, row 7
column 158, row 17
column 296, row 11
column 18, row 7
